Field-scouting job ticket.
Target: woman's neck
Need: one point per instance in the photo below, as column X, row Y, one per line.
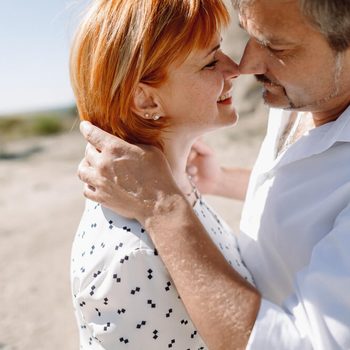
column 177, row 152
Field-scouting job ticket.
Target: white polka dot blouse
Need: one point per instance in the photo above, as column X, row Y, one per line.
column 123, row 295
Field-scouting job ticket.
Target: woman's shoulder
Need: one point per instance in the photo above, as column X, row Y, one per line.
column 107, row 243
column 101, row 227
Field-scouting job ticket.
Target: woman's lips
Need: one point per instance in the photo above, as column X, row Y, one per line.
column 225, row 98
column 227, row 101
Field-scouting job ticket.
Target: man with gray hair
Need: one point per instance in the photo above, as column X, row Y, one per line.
column 295, row 227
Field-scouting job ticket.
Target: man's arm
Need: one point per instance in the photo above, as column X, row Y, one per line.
column 221, row 303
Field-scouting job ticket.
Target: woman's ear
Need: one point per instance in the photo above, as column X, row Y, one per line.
column 146, row 102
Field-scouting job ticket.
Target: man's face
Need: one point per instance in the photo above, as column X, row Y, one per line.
column 294, row 61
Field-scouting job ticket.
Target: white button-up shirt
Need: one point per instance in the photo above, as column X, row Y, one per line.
column 296, row 238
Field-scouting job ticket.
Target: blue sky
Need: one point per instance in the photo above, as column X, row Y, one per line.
column 35, row 36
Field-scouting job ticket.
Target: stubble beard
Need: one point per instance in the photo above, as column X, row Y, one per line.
column 294, row 106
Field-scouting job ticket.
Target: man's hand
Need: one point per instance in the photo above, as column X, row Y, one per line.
column 129, row 179
column 203, row 168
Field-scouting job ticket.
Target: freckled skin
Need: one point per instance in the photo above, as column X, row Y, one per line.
column 190, row 94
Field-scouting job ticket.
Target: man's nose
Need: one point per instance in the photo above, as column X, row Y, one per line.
column 253, row 59
column 228, row 66
column 231, row 69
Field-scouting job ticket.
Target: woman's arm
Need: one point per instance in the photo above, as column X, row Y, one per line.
column 221, row 303
column 234, row 183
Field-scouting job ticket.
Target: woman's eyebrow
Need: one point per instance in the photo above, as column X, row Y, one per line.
column 217, row 47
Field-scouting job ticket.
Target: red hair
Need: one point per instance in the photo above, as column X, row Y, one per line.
column 123, row 42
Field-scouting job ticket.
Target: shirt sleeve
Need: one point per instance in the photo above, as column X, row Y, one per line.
column 134, row 305
column 317, row 314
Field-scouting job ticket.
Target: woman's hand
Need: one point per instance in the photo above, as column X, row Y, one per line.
column 204, row 168
column 129, row 179
column 211, row 178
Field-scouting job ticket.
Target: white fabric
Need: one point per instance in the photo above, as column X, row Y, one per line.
column 295, row 238
column 123, row 296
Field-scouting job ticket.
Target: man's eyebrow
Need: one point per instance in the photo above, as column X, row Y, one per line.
column 269, row 41
column 274, row 41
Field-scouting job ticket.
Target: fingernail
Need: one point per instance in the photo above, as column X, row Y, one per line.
column 84, row 126
column 192, row 170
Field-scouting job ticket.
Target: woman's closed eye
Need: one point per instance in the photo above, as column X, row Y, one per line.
column 211, row 65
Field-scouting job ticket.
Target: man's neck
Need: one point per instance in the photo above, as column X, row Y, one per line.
column 321, row 118
column 302, row 122
column 299, row 124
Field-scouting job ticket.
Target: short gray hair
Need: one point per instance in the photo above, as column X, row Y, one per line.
column 330, row 17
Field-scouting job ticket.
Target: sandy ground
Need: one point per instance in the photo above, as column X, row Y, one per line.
column 40, row 207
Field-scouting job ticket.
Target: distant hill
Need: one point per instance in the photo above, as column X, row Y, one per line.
column 65, row 111
column 45, row 122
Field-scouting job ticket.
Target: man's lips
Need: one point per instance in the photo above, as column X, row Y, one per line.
column 272, row 86
column 267, row 82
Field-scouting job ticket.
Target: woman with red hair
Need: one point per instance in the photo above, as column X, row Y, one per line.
column 151, row 72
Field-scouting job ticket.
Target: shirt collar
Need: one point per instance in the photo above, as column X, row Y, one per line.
column 318, row 140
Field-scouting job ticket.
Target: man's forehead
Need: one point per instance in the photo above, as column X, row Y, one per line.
column 243, row 3
column 272, row 20
column 269, row 8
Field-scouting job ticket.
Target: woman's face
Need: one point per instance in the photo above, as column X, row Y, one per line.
column 197, row 96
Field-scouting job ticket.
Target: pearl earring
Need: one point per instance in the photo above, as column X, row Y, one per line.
column 146, row 115
column 156, row 117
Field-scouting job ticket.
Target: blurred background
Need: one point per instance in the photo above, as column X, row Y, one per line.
column 40, row 147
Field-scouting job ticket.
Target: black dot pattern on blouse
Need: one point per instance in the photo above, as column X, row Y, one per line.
column 123, row 296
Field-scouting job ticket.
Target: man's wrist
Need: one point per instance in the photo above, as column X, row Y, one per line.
column 164, row 208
